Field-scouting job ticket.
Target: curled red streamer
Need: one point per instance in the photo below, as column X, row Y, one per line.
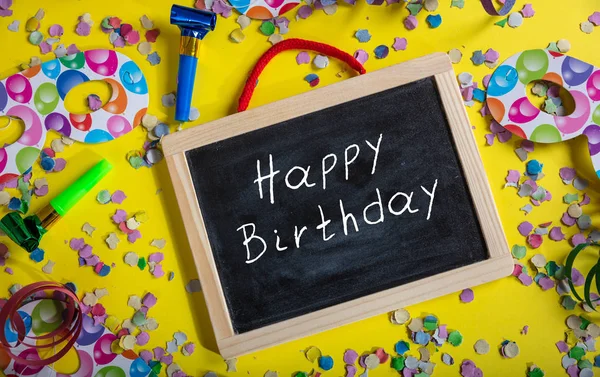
column 68, row 331
column 292, row 44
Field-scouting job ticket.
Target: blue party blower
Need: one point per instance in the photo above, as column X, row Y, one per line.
column 194, row 25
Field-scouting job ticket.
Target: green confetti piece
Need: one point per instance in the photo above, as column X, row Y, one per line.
column 552, row 47
column 560, row 273
column 300, row 374
column 14, row 288
column 455, row 338
column 584, row 322
column 584, row 222
column 519, row 251
column 457, row 4
column 567, row 302
column 156, row 366
column 136, row 162
column 142, row 263
column 551, row 268
column 585, row 364
column 106, row 23
column 397, row 363
column 103, row 197
column 549, row 106
column 267, row 28
column 139, row 318
column 414, row 8
column 502, row 23
column 422, row 374
column 539, row 194
column 535, row 372
column 430, row 323
column 576, row 353
column 570, row 198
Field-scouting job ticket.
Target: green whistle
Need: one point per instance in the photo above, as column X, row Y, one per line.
column 27, row 232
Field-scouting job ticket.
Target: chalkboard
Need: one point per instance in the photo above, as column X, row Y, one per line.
column 336, row 205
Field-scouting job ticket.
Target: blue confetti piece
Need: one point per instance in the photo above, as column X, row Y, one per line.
column 14, row 204
column 325, row 362
column 534, row 167
column 71, row 286
column 328, row 2
column 105, row 270
column 362, row 35
column 47, row 163
column 171, row 275
column 422, row 338
column 381, row 51
column 479, row 95
column 37, row 255
column 434, row 20
column 478, row 57
column 597, row 361
column 312, row 79
column 401, row 347
column 161, row 130
column 153, row 58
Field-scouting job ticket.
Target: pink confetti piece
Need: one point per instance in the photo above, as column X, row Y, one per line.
column 151, row 35
column 411, row 22
column 159, row 352
column 595, row 18
column 513, row 176
column 573, row 371
column 350, row 371
column 504, row 136
column 585, row 201
column 361, row 55
column 158, row 271
column 119, row 42
column 72, row 50
column 125, row 29
column 56, row 30
column 83, row 29
column 123, row 227
column 304, row 12
column 577, row 277
column 489, row 139
column 486, row 81
column 45, row 48
column 60, row 164
column 146, row 355
column 189, row 348
column 562, row 346
column 546, row 283
column 492, row 55
column 567, row 174
column 118, row 197
column 527, row 145
column 6, row 12
column 400, row 44
column 568, row 220
column 535, row 240
column 119, row 217
column 134, row 236
column 496, row 128
column 525, row 279
column 132, row 37
column 467, row 295
column 517, row 270
column 85, row 251
column 527, row 11
column 156, row 257
column 556, row 234
column 179, row 373
column 350, row 356
column 100, row 320
column 532, row 184
column 94, row 102
column 94, row 260
column 548, row 196
column 76, row 243
column 484, row 110
column 525, row 228
column 42, row 191
column 525, row 330
column 303, row 58
column 149, row 300
column 222, row 8
column 577, row 239
column 98, row 267
column 167, row 359
column 5, row 4
column 9, row 270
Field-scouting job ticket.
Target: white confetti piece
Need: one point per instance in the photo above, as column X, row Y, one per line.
column 321, row 61
column 112, row 241
column 243, row 21
column 231, row 365
column 88, row 229
column 48, row 267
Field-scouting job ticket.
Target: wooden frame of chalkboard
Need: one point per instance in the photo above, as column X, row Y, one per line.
column 498, row 263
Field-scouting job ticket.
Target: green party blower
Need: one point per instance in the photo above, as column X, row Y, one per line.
column 27, row 232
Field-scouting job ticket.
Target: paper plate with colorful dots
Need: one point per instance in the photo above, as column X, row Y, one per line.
column 508, row 103
column 37, row 96
column 263, row 9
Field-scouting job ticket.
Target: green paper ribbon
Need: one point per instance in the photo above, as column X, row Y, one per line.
column 26, row 232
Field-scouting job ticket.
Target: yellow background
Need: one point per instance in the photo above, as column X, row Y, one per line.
column 500, row 309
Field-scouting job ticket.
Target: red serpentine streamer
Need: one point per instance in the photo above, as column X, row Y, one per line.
column 67, row 332
column 292, row 44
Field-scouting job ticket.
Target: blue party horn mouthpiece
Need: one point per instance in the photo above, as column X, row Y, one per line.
column 194, row 25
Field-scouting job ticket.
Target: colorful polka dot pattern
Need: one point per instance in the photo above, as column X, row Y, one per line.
column 37, row 97
column 508, row 103
column 263, row 9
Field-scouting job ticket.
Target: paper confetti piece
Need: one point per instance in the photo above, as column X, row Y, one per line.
column 243, row 21
column 587, row 27
column 434, row 20
column 455, row 338
column 304, row 12
column 563, row 45
column 482, row 347
column 153, row 58
column 321, row 61
column 455, row 55
column 231, row 365
column 312, row 354
column 103, row 197
column 510, row 349
column 447, row 359
column 361, row 55
column 525, row 228
column 362, row 35
column 312, row 79
column 302, row 58
column 400, row 317
column 267, row 28
column 193, row 286
column 48, row 267
column 518, row 251
column 112, row 241
column 381, row 51
column 528, row 11
column 275, row 38
column 410, row 22
column 399, row 44
column 515, row 20
column 467, row 295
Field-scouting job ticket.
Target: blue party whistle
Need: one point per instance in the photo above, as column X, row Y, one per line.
column 194, row 25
